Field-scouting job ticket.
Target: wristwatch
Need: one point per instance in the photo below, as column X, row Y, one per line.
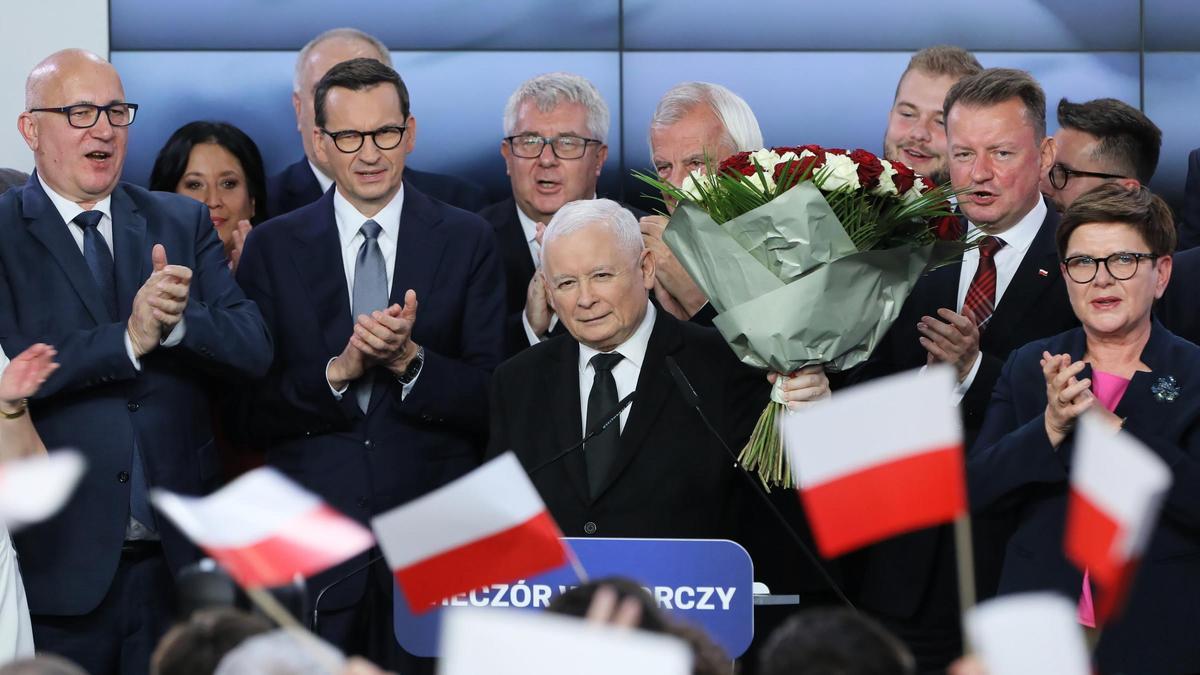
column 414, row 367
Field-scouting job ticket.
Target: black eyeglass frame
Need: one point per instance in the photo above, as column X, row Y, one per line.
column 1137, row 258
column 106, row 109
column 362, row 137
column 1066, row 172
column 550, row 141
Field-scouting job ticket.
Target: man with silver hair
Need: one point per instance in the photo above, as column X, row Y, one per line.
column 308, row 178
column 554, row 147
column 694, row 125
column 654, row 471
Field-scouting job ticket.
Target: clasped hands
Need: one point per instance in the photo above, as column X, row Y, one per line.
column 1068, row 397
column 159, row 304
column 382, row 338
column 953, row 339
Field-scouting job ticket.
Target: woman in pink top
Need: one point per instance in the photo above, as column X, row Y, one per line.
column 1115, row 247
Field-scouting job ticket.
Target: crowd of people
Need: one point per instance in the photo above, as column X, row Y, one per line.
column 374, row 332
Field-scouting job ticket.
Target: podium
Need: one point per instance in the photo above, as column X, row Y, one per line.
column 707, row 582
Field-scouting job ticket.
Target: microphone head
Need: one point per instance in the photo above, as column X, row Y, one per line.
column 681, row 382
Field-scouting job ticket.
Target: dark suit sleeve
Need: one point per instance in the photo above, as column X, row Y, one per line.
column 498, row 441
column 224, row 328
column 454, row 390
column 86, row 358
column 1189, row 225
column 1182, row 503
column 1010, row 453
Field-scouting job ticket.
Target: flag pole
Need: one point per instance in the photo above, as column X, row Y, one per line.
column 575, row 564
column 284, row 619
column 964, row 554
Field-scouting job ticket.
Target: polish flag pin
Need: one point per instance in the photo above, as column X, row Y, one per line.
column 1043, row 273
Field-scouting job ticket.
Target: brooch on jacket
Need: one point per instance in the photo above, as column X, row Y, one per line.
column 1165, row 390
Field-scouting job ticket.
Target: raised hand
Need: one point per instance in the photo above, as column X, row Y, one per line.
column 954, row 339
column 679, row 295
column 25, row 374
column 1067, row 397
column 238, row 235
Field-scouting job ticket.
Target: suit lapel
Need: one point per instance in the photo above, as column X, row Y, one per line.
column 511, row 236
column 318, row 259
column 562, row 379
column 653, row 386
column 47, row 226
column 1027, row 285
column 129, row 246
column 301, row 185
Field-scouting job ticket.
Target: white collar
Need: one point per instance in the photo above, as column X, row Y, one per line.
column 633, row 349
column 69, row 209
column 324, row 181
column 350, row 220
column 528, row 224
column 1020, row 236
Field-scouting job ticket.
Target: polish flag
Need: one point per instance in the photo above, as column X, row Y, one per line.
column 1028, row 633
column 264, row 529
column 489, row 526
column 1117, row 489
column 34, row 488
column 879, row 459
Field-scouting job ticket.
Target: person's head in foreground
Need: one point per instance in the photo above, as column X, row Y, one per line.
column 1115, row 244
column 597, row 271
column 834, row 641
column 282, row 652
column 197, row 645
column 42, row 664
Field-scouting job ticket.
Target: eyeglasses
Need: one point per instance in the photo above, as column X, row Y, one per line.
column 1060, row 174
column 529, row 146
column 85, row 115
column 385, row 138
column 1121, row 266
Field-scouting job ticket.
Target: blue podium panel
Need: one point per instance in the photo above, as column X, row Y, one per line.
column 457, row 97
column 409, row 25
column 1019, row 25
column 706, row 582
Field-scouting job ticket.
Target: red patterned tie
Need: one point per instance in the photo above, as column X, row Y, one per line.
column 981, row 296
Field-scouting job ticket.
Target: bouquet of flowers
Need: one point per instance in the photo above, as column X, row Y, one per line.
column 807, row 254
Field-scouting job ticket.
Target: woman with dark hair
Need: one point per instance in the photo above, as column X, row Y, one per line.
column 217, row 164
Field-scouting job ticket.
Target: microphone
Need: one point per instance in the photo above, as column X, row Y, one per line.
column 612, row 417
column 693, row 399
column 316, row 612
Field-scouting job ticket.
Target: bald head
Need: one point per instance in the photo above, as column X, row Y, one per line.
column 48, row 77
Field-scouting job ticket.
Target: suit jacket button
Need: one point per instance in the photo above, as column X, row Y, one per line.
column 589, row 527
column 133, row 407
column 362, row 502
column 367, row 442
column 123, row 477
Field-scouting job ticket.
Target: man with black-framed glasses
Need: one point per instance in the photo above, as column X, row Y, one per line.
column 132, row 289
column 1097, row 142
column 372, row 401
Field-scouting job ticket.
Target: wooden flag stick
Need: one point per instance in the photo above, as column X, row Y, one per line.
column 284, row 619
column 965, row 557
column 576, row 565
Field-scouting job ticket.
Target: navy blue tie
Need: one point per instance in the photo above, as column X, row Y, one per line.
column 99, row 259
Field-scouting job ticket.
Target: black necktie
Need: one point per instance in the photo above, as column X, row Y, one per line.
column 601, row 450
column 99, row 259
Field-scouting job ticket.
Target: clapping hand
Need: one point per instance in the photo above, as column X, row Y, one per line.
column 1068, row 397
column 159, row 304
column 25, row 374
column 953, row 339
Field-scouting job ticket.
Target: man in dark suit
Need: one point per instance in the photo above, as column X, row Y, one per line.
column 370, row 402
column 694, row 124
column 555, row 127
column 306, row 180
column 84, row 267
column 971, row 314
column 1189, row 221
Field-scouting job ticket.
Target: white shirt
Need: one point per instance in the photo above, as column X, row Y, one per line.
column 68, row 210
column 1017, row 240
column 349, row 225
column 625, row 372
column 324, row 181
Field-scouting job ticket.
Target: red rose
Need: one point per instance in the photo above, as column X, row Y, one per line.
column 797, row 170
column 948, row 228
column 836, row 151
column 869, row 168
column 738, row 164
column 903, row 178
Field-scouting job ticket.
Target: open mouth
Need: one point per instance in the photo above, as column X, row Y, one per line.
column 547, row 185
column 1104, row 303
column 98, row 155
column 983, row 197
column 370, row 176
column 917, row 154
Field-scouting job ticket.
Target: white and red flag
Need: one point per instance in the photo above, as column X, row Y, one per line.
column 265, row 530
column 878, row 460
column 1117, row 489
column 34, row 488
column 489, row 526
column 1028, row 633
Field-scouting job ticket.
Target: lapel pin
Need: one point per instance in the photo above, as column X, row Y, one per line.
column 1165, row 390
column 1043, row 273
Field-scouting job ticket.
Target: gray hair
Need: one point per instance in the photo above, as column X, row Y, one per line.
column 549, row 90
column 577, row 215
column 742, row 132
column 345, row 34
column 280, row 652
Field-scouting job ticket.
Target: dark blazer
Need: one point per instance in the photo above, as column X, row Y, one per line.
column 1189, row 217
column 898, row 575
column 97, row 401
column 672, row 478
column 1013, row 469
column 1179, row 307
column 296, row 186
column 365, row 464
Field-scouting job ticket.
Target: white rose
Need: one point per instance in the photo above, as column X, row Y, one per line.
column 692, row 184
column 839, row 171
column 766, row 158
column 915, row 192
column 886, row 187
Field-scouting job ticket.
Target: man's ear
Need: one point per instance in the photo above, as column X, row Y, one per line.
column 27, row 125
